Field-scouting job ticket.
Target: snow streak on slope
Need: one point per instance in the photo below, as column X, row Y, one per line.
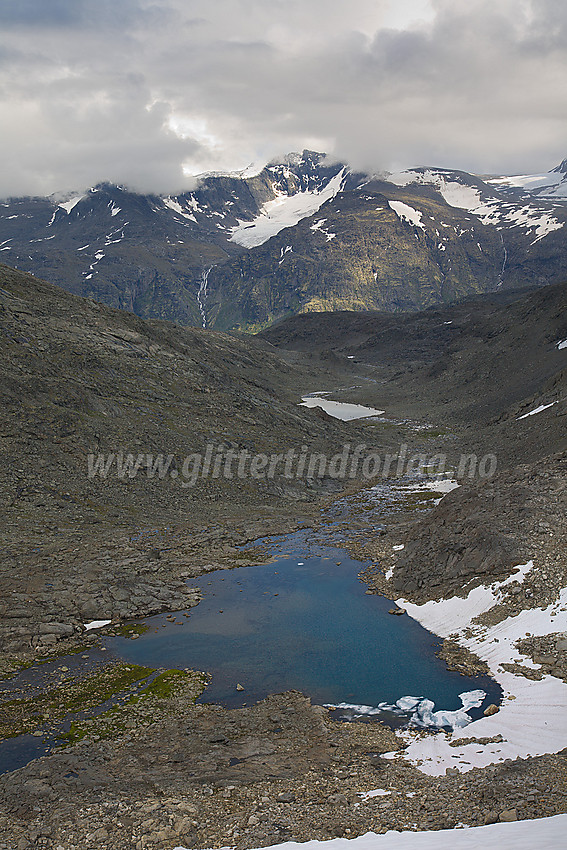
column 284, row 211
column 174, row 205
column 490, row 210
column 543, row 833
column 539, row 409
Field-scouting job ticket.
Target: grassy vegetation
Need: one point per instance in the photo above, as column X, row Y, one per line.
column 142, row 708
column 23, row 715
column 165, row 684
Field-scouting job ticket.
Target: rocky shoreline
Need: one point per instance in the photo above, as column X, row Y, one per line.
column 156, row 770
column 202, row 776
column 281, row 770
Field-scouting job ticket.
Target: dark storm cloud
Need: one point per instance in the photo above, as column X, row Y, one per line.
column 131, row 90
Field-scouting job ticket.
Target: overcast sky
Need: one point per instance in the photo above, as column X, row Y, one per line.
column 147, row 92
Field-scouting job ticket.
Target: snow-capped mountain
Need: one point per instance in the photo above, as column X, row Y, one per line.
column 149, row 254
column 299, row 235
column 413, row 239
column 551, row 184
column 486, row 202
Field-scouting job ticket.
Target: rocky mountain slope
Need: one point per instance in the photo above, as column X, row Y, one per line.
column 149, row 254
column 484, row 365
column 161, row 771
column 302, row 235
column 80, row 380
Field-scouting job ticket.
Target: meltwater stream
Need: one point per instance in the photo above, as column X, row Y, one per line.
column 305, row 622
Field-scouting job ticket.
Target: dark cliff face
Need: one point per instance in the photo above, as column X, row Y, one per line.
column 430, row 237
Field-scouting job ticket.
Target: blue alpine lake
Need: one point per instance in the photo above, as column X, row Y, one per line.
column 304, row 622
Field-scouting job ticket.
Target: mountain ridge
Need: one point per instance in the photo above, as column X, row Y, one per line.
column 305, row 234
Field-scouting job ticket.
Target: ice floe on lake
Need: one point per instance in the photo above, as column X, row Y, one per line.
column 419, row 711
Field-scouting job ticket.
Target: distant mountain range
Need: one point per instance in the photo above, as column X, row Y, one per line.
column 302, row 235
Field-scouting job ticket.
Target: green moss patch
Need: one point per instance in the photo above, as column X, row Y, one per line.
column 160, row 697
column 165, row 684
column 23, row 715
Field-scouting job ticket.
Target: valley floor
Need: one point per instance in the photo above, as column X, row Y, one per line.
column 160, row 771
column 178, row 774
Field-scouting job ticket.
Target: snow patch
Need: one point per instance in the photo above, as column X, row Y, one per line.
column 543, row 833
column 442, row 485
column 550, row 184
column 288, row 249
column 531, row 719
column 284, row 211
column 71, row 204
column 96, row 624
column 490, row 210
column 407, row 213
column 539, row 409
column 449, row 616
column 378, row 792
column 176, row 207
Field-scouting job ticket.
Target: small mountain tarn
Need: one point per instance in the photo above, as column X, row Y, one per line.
column 268, row 628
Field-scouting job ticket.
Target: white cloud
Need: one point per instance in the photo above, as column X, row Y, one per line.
column 144, row 91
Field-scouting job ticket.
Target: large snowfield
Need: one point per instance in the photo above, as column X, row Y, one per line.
column 284, row 211
column 533, row 715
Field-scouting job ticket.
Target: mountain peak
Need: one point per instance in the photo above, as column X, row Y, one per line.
column 561, row 168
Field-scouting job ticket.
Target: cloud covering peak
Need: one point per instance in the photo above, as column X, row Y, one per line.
column 147, row 92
